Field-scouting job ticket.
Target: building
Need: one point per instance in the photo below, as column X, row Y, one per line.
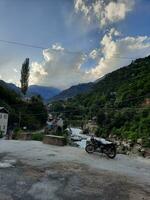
column 3, row 120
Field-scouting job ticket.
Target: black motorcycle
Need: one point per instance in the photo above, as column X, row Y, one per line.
column 102, row 146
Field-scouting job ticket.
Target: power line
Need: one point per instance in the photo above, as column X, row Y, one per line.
column 22, row 44
column 66, row 51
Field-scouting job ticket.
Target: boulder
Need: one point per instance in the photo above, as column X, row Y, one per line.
column 139, row 141
column 137, row 149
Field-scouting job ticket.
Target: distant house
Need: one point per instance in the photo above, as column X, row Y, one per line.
column 3, row 120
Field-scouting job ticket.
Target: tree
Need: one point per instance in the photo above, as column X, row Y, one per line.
column 25, row 76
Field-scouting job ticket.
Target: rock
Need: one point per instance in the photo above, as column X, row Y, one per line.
column 139, row 141
column 121, row 149
column 137, row 149
column 142, row 151
column 146, row 153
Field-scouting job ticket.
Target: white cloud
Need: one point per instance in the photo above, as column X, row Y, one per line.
column 15, row 70
column 81, row 5
column 119, row 52
column 115, row 50
column 105, row 12
column 62, row 69
column 0, row 76
column 57, row 47
column 59, row 68
column 114, row 32
column 37, row 72
column 93, row 54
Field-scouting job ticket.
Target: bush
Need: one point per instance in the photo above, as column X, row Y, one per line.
column 146, row 142
column 65, row 134
column 16, row 134
column 132, row 136
column 37, row 136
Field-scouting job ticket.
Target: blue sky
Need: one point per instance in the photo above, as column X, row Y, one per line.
column 82, row 38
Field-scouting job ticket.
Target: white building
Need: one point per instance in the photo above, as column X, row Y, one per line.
column 3, row 120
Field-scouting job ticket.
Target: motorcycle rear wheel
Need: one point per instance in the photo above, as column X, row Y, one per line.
column 89, row 148
column 111, row 152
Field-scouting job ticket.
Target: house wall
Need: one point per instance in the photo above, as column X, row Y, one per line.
column 3, row 122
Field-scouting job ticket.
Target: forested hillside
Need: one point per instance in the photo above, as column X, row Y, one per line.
column 31, row 114
column 120, row 102
column 73, row 91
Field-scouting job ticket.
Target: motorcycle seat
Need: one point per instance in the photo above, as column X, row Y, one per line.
column 103, row 141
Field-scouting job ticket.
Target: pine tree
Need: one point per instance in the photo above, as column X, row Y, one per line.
column 25, row 76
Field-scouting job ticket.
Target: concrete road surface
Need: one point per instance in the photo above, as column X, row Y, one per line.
column 30, row 170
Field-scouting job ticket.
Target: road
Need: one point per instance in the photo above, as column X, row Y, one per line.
column 30, row 170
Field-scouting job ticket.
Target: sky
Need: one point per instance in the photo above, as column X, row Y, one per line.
column 80, row 40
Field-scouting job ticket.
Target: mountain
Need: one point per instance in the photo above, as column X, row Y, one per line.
column 120, row 103
column 10, row 86
column 73, row 91
column 13, row 87
column 45, row 92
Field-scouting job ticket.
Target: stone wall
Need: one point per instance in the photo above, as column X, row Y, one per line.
column 25, row 136
column 54, row 140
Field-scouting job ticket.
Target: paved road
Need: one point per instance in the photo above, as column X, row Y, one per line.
column 31, row 170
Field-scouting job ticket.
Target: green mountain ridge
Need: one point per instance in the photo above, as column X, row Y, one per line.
column 119, row 102
column 73, row 91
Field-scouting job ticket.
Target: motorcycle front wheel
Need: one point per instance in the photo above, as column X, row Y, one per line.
column 89, row 148
column 111, row 151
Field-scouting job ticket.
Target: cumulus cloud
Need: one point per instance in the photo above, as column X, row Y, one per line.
column 93, row 54
column 62, row 69
column 118, row 52
column 38, row 73
column 15, row 70
column 57, row 47
column 59, row 68
column 115, row 50
column 105, row 12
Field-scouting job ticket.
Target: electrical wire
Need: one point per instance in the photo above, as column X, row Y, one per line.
column 66, row 51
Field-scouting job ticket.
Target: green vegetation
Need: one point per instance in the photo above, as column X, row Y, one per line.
column 37, row 136
column 16, row 133
column 118, row 102
column 31, row 114
column 25, row 76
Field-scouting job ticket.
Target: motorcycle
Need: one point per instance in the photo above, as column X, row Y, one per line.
column 102, row 146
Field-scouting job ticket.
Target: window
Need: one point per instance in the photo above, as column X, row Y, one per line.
column 0, row 116
column 5, row 116
column 4, row 127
